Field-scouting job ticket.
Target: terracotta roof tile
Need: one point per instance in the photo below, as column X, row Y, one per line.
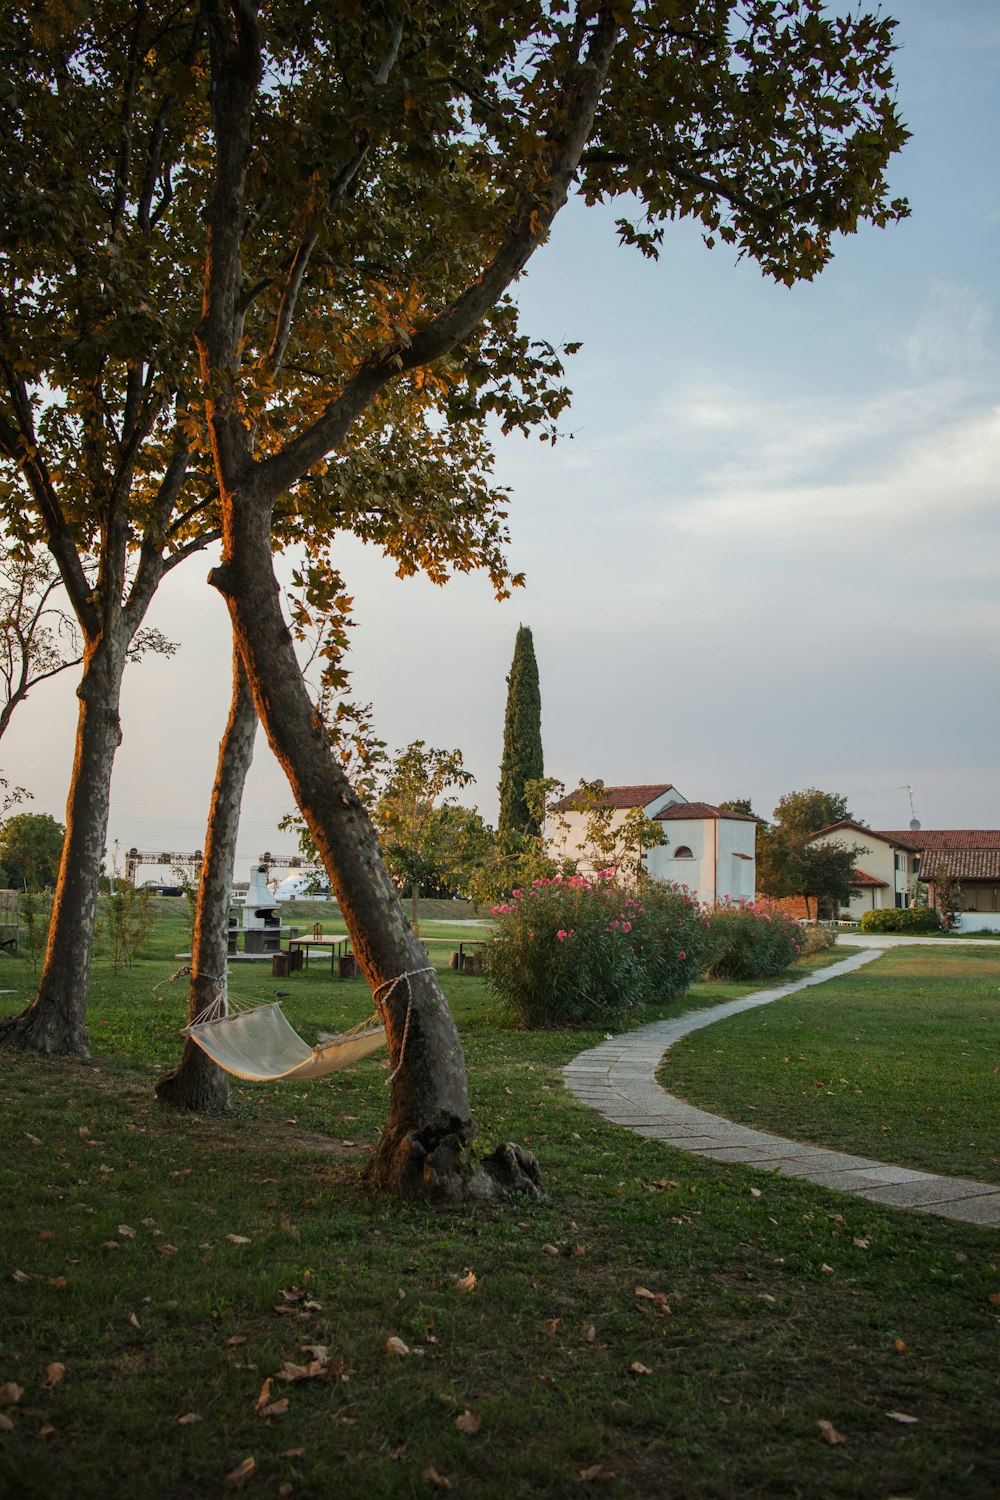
column 700, row 810
column 961, row 864
column 950, row 838
column 862, row 877
column 618, row 797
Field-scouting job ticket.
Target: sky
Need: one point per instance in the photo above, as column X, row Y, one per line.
column 764, row 556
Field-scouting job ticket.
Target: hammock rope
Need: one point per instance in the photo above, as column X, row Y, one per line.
column 380, row 1005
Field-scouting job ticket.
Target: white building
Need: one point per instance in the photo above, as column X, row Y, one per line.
column 709, row 849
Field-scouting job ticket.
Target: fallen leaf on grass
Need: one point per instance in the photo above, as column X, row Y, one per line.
column 597, row 1474
column 860, row 1243
column 265, row 1395
column 899, row 1346
column 6, row 1425
column 32, row 1138
column 188, row 1419
column 274, row 1410
column 10, row 1393
column 826, row 1270
column 166, row 1249
column 237, row 1338
column 552, row 1325
column 285, row 1490
column 756, row 1193
column 54, row 1373
column 46, row 1429
column 44, row 1234
column 469, row 1422
column 550, row 1250
column 437, row 1480
column 125, row 1232
column 901, row 1416
column 396, row 1346
column 639, row 1369
column 237, row 1478
column 134, row 1320
column 20, row 1276
column 995, row 1299
column 829, row 1434
column 467, row 1282
column 111, row 1244
column 293, row 1453
column 766, row 1297
column 238, row 1239
column 658, row 1299
column 589, row 1332
column 59, row 1282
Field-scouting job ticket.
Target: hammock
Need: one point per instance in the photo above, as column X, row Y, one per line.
column 262, row 1045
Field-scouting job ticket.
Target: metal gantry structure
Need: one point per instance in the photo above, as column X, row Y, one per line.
column 136, row 857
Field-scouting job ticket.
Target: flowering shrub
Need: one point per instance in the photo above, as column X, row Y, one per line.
column 750, row 940
column 578, row 951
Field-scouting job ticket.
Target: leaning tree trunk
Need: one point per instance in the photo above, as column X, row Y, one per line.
column 55, row 1021
column 423, row 1149
column 197, row 1082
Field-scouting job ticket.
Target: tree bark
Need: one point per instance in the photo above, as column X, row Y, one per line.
column 55, row 1021
column 197, row 1083
column 424, row 1147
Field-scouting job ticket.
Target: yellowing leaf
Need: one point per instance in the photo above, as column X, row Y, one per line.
column 469, row 1422
column 467, row 1282
column 639, row 1369
column 54, row 1373
column 237, row 1478
column 396, row 1346
column 829, row 1434
column 437, row 1480
column 188, row 1419
column 265, row 1394
column 549, row 1250
column 59, row 1282
column 274, row 1410
column 899, row 1346
column 597, row 1474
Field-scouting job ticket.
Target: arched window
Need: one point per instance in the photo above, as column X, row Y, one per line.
column 683, row 853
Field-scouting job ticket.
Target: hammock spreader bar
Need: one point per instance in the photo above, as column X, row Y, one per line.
column 263, row 1046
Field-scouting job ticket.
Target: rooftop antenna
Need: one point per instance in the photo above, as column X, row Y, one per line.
column 914, row 820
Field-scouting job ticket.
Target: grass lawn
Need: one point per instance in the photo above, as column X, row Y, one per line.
column 899, row 1060
column 160, row 1271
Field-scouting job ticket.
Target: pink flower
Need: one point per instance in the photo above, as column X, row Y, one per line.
column 682, row 954
column 626, row 927
column 562, row 935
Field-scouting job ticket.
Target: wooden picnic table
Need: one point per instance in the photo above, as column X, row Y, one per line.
column 338, row 944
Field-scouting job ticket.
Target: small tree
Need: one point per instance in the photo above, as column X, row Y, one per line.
column 522, row 760
column 407, row 816
column 822, row 872
column 947, row 894
column 30, row 849
column 129, row 918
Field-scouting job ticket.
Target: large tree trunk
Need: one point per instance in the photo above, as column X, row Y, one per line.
column 55, row 1022
column 423, row 1149
column 197, row 1082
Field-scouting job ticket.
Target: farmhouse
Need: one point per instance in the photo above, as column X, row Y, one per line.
column 894, row 858
column 709, row 849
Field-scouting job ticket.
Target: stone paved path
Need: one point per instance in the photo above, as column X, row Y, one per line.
column 618, row 1080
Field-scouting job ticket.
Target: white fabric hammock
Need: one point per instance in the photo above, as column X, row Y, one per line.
column 263, row 1046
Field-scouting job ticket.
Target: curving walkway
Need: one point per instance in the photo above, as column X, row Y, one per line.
column 617, row 1079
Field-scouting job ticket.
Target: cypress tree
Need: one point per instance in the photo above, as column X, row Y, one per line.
column 522, row 740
